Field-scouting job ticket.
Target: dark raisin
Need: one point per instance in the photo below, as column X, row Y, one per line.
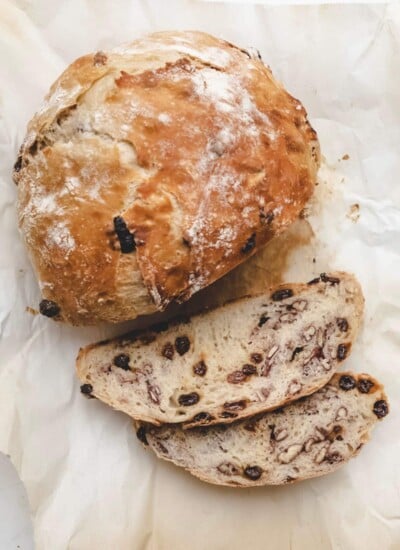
column 226, row 414
column 236, row 377
column 342, row 351
column 249, row 369
column 250, row 244
column 182, row 344
column 333, row 458
column 127, row 243
column 141, row 435
column 380, row 408
column 119, row 224
column 235, row 405
column 296, row 351
column 186, row 242
column 49, row 308
column 188, row 399
column 125, row 237
column 87, row 389
column 263, row 319
column 342, row 324
column 18, row 164
column 326, row 279
column 200, row 368
column 364, row 385
column 279, row 410
column 314, row 281
column 168, row 351
column 122, row 361
column 339, row 438
column 256, row 358
column 253, row 472
column 281, row 294
column 347, row 382
column 202, row 417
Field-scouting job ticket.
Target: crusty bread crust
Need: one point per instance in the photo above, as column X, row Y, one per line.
column 191, row 141
column 250, row 355
column 309, row 438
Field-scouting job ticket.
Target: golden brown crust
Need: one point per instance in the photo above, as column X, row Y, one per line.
column 191, row 141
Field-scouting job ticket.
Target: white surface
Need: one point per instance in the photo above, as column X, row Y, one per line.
column 89, row 483
column 15, row 523
column 296, row 2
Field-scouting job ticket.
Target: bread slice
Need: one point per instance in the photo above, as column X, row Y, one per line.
column 311, row 437
column 248, row 356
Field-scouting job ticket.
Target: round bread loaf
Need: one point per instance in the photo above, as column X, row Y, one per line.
column 154, row 169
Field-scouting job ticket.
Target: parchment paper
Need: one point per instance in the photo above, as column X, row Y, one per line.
column 89, row 482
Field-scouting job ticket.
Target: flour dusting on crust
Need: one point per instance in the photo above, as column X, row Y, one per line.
column 59, row 235
column 204, row 155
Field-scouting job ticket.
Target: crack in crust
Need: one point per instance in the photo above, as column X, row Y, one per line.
column 185, row 137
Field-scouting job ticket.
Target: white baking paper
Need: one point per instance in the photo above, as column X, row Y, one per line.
column 90, row 484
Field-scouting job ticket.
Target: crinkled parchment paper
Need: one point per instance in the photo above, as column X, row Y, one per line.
column 90, row 484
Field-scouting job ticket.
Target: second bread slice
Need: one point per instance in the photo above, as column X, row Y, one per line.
column 311, row 437
column 248, row 356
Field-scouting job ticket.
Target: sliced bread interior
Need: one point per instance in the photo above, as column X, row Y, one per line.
column 248, row 356
column 310, row 437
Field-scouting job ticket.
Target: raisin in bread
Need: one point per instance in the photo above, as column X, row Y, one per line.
column 248, row 356
column 134, row 175
column 311, row 437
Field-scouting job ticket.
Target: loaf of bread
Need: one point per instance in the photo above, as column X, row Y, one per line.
column 311, row 437
column 154, row 169
column 250, row 355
